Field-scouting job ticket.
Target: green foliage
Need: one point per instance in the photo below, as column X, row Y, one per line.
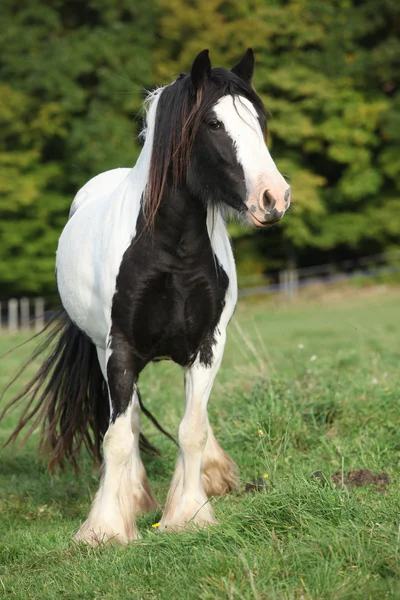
column 299, row 537
column 73, row 75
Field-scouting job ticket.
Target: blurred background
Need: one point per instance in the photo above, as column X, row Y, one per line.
column 72, row 80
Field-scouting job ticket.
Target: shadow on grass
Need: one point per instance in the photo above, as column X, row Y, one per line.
column 24, row 479
column 21, row 464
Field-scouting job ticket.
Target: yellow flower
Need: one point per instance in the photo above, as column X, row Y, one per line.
column 260, row 431
column 155, row 525
column 265, row 475
column 386, row 389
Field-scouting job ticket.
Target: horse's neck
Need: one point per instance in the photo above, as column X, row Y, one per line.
column 182, row 218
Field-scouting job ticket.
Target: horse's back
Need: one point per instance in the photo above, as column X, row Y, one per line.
column 99, row 186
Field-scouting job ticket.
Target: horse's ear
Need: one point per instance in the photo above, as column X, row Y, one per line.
column 201, row 69
column 245, row 67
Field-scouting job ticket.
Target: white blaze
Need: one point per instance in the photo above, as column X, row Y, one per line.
column 242, row 125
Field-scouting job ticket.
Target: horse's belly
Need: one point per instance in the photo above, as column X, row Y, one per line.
column 81, row 283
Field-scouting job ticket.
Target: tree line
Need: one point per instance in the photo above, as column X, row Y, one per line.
column 72, row 81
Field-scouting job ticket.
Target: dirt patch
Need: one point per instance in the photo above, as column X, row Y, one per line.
column 256, row 485
column 357, row 478
column 351, row 479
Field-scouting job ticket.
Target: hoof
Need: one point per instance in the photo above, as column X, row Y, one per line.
column 188, row 514
column 95, row 534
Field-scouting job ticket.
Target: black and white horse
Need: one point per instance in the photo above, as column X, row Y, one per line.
column 145, row 271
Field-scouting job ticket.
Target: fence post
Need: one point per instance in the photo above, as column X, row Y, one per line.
column 289, row 283
column 283, row 283
column 12, row 315
column 293, row 280
column 24, row 313
column 39, row 314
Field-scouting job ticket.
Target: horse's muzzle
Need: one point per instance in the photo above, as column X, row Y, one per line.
column 269, row 209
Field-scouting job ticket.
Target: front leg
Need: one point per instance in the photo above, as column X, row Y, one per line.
column 187, row 502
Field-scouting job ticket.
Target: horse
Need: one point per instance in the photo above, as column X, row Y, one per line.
column 145, row 271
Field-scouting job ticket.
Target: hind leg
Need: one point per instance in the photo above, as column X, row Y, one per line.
column 124, row 490
column 219, row 472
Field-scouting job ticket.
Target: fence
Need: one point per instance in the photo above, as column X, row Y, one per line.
column 26, row 314
column 22, row 315
column 291, row 280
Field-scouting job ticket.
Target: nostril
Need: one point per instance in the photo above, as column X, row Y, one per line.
column 287, row 195
column 268, row 201
column 273, row 216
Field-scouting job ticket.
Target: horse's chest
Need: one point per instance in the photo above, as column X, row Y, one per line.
column 182, row 321
column 166, row 311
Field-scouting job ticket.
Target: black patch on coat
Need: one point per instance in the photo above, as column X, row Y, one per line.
column 170, row 293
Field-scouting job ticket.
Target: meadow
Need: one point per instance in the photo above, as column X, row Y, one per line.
column 311, row 387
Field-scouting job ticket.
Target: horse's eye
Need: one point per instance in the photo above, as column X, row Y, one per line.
column 214, row 124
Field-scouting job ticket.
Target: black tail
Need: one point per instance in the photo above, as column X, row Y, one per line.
column 67, row 397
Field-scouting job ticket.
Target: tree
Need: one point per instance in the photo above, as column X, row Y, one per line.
column 74, row 74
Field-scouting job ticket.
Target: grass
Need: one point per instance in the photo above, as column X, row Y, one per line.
column 321, row 382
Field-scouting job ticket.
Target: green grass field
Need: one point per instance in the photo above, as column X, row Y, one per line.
column 305, row 388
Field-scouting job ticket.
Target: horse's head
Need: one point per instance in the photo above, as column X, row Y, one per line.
column 209, row 135
column 230, row 161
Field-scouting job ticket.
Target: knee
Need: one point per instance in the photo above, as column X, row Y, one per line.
column 117, row 442
column 135, row 417
column 193, row 435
